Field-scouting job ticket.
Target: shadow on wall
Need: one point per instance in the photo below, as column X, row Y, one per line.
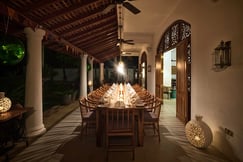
column 222, row 143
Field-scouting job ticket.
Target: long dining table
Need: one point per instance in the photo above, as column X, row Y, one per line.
column 121, row 96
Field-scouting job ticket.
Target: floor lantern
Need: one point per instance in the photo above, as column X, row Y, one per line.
column 198, row 133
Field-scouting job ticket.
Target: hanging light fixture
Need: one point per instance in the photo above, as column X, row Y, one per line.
column 12, row 50
column 120, row 66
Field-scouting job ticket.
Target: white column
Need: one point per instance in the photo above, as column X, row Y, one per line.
column 101, row 73
column 33, row 83
column 90, row 75
column 83, row 76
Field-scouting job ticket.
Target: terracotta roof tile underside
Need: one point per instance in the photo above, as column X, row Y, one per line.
column 74, row 27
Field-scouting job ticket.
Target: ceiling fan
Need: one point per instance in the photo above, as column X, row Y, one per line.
column 126, row 53
column 120, row 41
column 124, row 3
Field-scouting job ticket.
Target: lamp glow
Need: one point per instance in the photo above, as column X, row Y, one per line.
column 90, row 83
column 5, row 103
column 197, row 138
column 198, row 133
column 120, row 68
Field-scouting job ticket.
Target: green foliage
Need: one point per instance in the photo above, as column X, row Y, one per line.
column 53, row 92
column 12, row 79
column 60, row 60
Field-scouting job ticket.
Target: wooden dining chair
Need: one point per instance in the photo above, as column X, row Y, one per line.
column 88, row 117
column 149, row 102
column 92, row 104
column 120, row 130
column 152, row 117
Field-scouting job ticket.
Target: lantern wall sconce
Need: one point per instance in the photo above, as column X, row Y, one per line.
column 222, row 56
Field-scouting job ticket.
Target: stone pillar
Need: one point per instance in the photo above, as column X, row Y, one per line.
column 101, row 73
column 83, row 76
column 91, row 75
column 33, row 83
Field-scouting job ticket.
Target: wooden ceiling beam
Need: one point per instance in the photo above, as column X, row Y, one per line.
column 91, row 14
column 105, row 51
column 108, row 57
column 98, row 42
column 86, row 35
column 106, row 20
column 64, row 11
column 98, row 51
column 94, row 37
column 38, row 4
column 26, row 22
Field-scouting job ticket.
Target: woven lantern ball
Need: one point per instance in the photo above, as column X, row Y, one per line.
column 198, row 133
column 5, row 103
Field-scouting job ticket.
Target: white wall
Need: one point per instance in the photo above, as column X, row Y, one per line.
column 150, row 53
column 167, row 69
column 151, row 75
column 217, row 96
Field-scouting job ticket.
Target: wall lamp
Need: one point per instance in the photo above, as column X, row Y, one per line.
column 222, row 56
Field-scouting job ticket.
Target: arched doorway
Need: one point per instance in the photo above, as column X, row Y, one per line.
column 177, row 36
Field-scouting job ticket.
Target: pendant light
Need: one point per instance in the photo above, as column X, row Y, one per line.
column 12, row 50
column 120, row 66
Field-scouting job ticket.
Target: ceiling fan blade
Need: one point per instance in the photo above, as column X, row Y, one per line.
column 126, row 41
column 130, row 43
column 126, row 53
column 129, row 40
column 131, row 8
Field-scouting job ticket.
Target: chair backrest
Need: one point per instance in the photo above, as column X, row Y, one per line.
column 150, row 101
column 157, row 107
column 119, row 120
column 91, row 103
column 83, row 107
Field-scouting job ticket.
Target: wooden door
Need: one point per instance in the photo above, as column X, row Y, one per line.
column 182, row 95
column 158, row 77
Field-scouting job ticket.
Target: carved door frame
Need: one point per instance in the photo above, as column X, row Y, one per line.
column 174, row 35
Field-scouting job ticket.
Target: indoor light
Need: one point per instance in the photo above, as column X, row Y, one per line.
column 12, row 50
column 120, row 68
column 198, row 133
column 222, row 56
column 90, row 83
column 5, row 103
column 197, row 138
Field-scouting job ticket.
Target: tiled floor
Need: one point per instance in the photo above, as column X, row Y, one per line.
column 63, row 143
